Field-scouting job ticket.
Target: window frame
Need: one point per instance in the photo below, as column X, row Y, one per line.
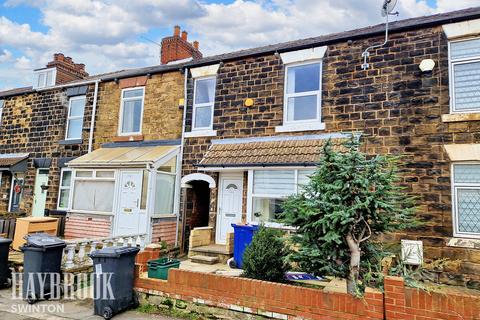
column 60, row 188
column 200, row 105
column 122, row 102
column 2, row 106
column 251, row 195
column 37, row 74
column 93, row 177
column 451, row 74
column 287, row 95
column 69, row 117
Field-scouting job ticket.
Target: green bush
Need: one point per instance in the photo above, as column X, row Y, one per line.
column 265, row 257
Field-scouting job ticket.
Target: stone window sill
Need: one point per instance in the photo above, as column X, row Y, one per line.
column 460, row 117
column 295, row 127
column 70, row 142
column 464, row 243
column 201, row 133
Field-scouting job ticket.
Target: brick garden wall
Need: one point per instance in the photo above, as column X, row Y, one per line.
column 35, row 123
column 284, row 301
column 396, row 107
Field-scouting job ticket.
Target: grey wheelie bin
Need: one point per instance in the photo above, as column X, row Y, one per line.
column 5, row 273
column 42, row 266
column 114, row 272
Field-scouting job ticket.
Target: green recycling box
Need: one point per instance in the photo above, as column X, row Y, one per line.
column 158, row 268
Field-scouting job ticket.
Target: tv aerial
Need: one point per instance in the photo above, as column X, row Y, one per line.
column 386, row 11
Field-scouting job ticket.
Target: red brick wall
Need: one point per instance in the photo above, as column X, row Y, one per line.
column 293, row 302
column 80, row 226
column 164, row 230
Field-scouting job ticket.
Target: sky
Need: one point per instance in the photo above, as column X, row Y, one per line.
column 110, row 35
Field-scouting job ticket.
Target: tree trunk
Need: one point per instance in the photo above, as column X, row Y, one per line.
column 354, row 264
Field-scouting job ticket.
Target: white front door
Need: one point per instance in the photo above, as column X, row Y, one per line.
column 230, row 205
column 128, row 213
column 40, row 193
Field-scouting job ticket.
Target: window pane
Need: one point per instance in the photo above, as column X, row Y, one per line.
column 203, row 117
column 266, row 209
column 93, row 195
column 132, row 113
column 467, row 83
column 303, row 78
column 465, row 49
column 77, row 107
column 143, row 199
column 468, row 202
column 84, row 174
column 169, row 166
column 302, row 108
column 64, row 195
column 66, row 178
column 274, row 182
column 205, row 90
column 467, row 173
column 105, row 174
column 133, row 93
column 41, row 80
column 49, row 78
column 304, row 177
column 75, row 129
column 164, row 193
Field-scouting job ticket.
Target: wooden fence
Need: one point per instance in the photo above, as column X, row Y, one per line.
column 7, row 227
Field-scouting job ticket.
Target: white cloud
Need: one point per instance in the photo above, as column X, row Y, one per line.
column 104, row 34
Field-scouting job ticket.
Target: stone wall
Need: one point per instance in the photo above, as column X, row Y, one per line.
column 35, row 123
column 397, row 108
column 162, row 116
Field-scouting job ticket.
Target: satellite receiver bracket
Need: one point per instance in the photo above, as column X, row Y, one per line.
column 386, row 10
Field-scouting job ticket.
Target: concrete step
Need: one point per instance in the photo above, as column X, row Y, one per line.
column 204, row 259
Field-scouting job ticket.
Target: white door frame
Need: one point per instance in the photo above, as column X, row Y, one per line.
column 222, row 177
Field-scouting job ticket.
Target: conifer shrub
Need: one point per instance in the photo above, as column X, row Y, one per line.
column 266, row 257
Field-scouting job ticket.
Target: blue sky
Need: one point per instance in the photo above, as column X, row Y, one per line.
column 108, row 35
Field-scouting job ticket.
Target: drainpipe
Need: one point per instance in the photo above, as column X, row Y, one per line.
column 180, row 158
column 92, row 121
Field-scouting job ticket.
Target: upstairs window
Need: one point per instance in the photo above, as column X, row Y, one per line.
column 2, row 104
column 131, row 113
column 466, row 200
column 45, row 78
column 465, row 75
column 76, row 108
column 302, row 92
column 203, row 102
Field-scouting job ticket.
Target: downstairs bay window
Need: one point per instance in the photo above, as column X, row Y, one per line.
column 93, row 191
column 466, row 199
column 269, row 188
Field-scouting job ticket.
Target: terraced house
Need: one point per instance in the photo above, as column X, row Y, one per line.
column 256, row 120
column 42, row 127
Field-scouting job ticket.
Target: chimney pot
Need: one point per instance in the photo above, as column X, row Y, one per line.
column 184, row 35
column 196, row 44
column 176, row 31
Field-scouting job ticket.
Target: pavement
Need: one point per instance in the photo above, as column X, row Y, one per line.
column 13, row 309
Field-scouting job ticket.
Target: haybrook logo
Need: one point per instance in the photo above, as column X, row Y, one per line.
column 68, row 286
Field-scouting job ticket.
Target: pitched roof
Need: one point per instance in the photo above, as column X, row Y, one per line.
column 397, row 26
column 8, row 160
column 270, row 151
column 15, row 92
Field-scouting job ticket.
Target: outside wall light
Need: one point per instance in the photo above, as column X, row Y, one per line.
column 427, row 65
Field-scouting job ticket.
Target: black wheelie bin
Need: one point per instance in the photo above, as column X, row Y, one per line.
column 5, row 273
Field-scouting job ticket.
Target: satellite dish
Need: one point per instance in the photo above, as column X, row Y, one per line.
column 388, row 6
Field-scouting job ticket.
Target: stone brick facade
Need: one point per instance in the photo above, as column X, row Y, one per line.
column 35, row 123
column 397, row 108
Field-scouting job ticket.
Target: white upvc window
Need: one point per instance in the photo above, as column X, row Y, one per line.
column 464, row 61
column 203, row 103
column 267, row 189
column 93, row 191
column 65, row 187
column 2, row 104
column 466, row 199
column 131, row 111
column 302, row 101
column 76, row 109
column 44, row 78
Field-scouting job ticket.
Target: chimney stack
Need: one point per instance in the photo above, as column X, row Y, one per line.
column 176, row 47
column 67, row 69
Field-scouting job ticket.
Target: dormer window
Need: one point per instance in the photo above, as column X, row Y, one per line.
column 45, row 78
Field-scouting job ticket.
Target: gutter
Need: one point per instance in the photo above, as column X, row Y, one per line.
column 66, row 85
column 180, row 158
column 92, row 120
column 257, row 165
